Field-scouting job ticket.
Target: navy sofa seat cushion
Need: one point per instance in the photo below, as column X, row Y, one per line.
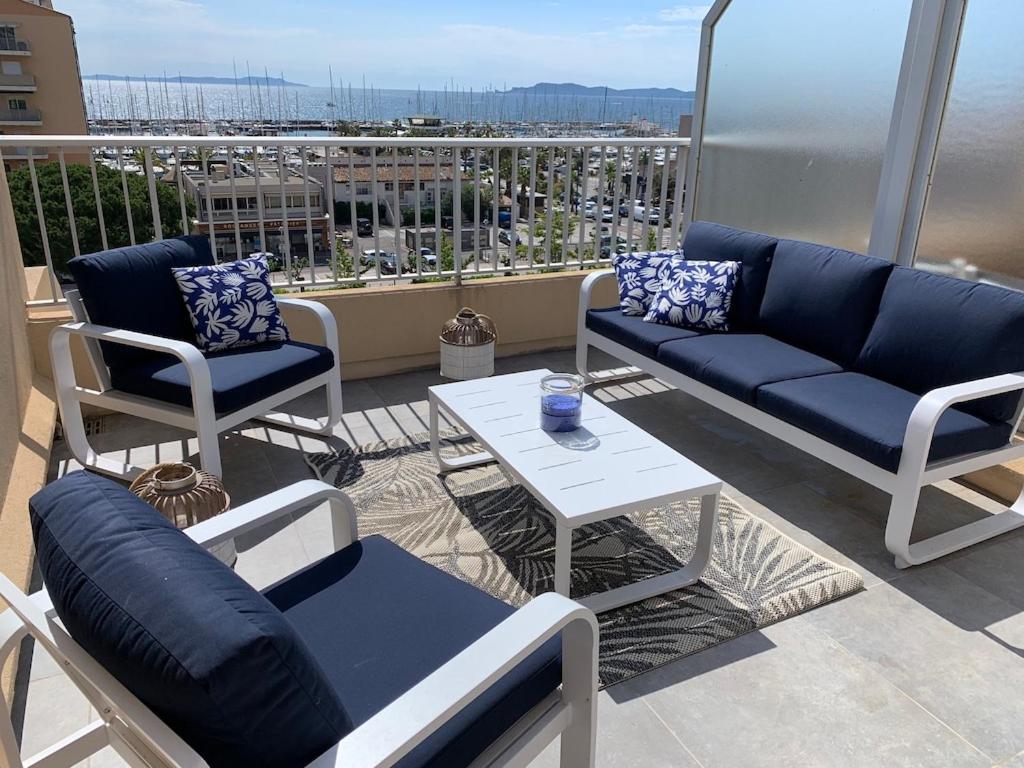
column 823, row 299
column 738, row 363
column 240, row 376
column 206, row 652
column 132, row 288
column 631, row 331
column 934, row 330
column 706, row 241
column 868, row 417
column 379, row 620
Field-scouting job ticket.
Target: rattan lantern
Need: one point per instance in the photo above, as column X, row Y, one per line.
column 467, row 346
column 186, row 496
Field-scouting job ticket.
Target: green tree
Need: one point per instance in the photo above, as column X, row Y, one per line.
column 466, row 195
column 343, row 268
column 652, row 240
column 115, row 218
column 446, row 257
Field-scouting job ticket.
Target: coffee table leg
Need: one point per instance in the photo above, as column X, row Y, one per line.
column 457, row 462
column 563, row 559
column 659, row 585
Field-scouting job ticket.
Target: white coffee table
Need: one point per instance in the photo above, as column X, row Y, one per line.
column 605, row 469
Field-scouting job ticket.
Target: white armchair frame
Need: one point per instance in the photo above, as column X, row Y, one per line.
column 201, row 418
column 144, row 741
column 904, row 486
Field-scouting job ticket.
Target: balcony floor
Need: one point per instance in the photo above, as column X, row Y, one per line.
column 923, row 668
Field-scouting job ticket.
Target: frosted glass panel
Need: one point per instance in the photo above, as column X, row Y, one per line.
column 975, row 210
column 800, row 95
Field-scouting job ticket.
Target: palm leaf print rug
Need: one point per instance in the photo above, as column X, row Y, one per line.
column 480, row 526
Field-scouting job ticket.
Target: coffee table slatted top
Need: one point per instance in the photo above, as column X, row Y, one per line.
column 607, row 467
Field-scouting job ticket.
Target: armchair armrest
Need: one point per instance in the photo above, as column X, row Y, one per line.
column 323, row 314
column 266, row 509
column 397, row 729
column 189, row 354
column 933, row 404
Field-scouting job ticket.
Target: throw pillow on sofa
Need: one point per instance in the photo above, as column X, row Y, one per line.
column 231, row 305
column 640, row 276
column 697, row 295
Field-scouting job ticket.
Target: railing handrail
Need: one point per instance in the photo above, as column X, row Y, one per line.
column 121, row 140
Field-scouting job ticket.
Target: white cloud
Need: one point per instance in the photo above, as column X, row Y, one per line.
column 648, row 30
column 684, row 13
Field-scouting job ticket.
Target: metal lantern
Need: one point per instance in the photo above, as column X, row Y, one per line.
column 186, row 496
column 467, row 346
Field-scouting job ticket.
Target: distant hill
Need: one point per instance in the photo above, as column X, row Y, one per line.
column 574, row 89
column 198, row 80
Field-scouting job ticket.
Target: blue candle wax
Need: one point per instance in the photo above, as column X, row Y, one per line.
column 560, row 413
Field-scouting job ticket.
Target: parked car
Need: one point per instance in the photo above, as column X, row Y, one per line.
column 388, row 261
column 507, row 237
column 364, row 227
column 428, row 258
column 505, row 219
column 607, row 216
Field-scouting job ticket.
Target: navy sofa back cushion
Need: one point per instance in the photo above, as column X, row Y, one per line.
column 934, row 330
column 205, row 651
column 822, row 299
column 706, row 241
column 132, row 288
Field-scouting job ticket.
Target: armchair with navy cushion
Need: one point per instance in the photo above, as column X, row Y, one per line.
column 141, row 344
column 367, row 658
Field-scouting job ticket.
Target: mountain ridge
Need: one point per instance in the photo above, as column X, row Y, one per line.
column 203, row 80
column 575, row 89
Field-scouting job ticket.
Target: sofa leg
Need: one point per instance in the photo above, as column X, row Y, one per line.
column 209, row 447
column 582, row 348
column 324, row 426
column 579, row 689
column 903, row 511
column 73, row 424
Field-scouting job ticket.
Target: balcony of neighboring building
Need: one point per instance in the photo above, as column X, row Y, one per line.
column 21, row 116
column 17, row 83
column 9, row 46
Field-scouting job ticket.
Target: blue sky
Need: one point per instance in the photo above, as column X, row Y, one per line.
column 397, row 44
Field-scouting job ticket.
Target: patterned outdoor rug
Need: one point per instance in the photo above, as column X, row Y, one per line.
column 481, row 527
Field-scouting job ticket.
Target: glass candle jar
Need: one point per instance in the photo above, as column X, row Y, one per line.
column 561, row 402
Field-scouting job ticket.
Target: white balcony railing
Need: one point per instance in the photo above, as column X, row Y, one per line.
column 545, row 223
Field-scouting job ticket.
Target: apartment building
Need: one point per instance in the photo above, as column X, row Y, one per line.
column 40, row 81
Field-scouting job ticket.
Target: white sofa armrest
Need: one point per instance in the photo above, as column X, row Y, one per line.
column 323, row 314
column 929, row 409
column 397, row 729
column 266, row 509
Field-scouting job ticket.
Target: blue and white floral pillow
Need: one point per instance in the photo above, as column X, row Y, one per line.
column 231, row 305
column 696, row 295
column 640, row 276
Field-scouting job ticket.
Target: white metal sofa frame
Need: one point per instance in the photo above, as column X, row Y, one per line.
column 914, row 471
column 145, row 741
column 201, row 418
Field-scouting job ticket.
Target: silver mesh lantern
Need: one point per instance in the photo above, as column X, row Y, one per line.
column 467, row 346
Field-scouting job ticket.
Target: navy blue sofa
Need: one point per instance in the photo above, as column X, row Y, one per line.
column 833, row 351
column 279, row 677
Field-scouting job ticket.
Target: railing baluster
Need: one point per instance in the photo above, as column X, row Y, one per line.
column 47, row 256
column 457, row 212
column 181, row 191
column 513, row 233
column 98, row 199
column 631, row 206
column 417, row 211
column 286, row 230
column 566, row 204
column 682, row 158
column 613, row 239
column 530, row 220
column 154, row 201
column 260, row 206
column 328, row 205
column 204, row 161
column 234, row 200
column 584, row 179
column 72, row 226
column 648, row 184
column 310, row 253
column 357, row 251
column 127, row 198
column 476, row 206
column 397, row 215
column 437, row 210
column 662, row 197
column 376, row 212
column 599, row 215
column 495, row 202
column 549, row 207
